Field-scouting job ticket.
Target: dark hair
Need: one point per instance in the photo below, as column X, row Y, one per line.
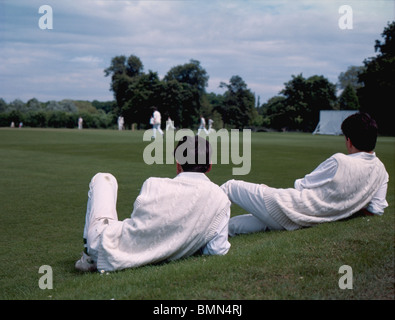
column 193, row 154
column 362, row 130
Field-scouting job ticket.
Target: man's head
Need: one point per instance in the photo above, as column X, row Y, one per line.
column 193, row 154
column 360, row 131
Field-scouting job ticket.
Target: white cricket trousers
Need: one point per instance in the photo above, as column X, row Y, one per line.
column 156, row 127
column 249, row 197
column 101, row 210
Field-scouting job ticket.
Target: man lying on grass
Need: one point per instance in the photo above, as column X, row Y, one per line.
column 338, row 188
column 172, row 218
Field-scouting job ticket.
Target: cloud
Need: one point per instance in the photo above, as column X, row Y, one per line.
column 264, row 42
column 89, row 60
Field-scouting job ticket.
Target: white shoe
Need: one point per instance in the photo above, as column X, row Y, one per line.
column 86, row 263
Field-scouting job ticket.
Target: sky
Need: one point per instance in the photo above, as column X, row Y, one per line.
column 264, row 42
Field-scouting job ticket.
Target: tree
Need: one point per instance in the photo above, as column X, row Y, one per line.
column 135, row 91
column 134, row 67
column 106, row 106
column 142, row 93
column 377, row 96
column 17, row 105
column 348, row 100
column 216, row 101
column 117, row 67
column 122, row 72
column 64, row 105
column 350, row 78
column 304, row 98
column 322, row 96
column 3, row 105
column 190, row 80
column 181, row 103
column 295, row 92
column 275, row 114
column 33, row 105
column 239, row 103
column 190, row 73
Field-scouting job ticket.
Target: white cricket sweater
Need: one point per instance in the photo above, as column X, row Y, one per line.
column 355, row 183
column 172, row 218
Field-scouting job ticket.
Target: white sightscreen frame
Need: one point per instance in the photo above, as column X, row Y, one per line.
column 331, row 121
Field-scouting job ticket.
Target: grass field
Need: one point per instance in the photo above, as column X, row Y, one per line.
column 44, row 176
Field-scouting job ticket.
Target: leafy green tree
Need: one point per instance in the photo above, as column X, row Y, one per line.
column 348, row 99
column 216, row 102
column 134, row 67
column 122, row 72
column 3, row 105
column 191, row 73
column 33, row 105
column 239, row 103
column 322, row 96
column 61, row 119
column 17, row 105
column 304, row 98
column 275, row 114
column 192, row 81
column 135, row 92
column 295, row 92
column 176, row 97
column 16, row 117
column 36, row 119
column 143, row 92
column 377, row 96
column 106, row 106
column 350, row 78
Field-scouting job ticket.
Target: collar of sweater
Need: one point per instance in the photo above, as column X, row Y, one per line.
column 362, row 154
column 192, row 175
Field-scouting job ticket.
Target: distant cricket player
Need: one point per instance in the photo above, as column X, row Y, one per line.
column 169, row 124
column 80, row 122
column 156, row 122
column 210, row 125
column 202, row 125
column 121, row 122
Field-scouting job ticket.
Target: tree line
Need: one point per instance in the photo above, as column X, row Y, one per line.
column 57, row 114
column 181, row 95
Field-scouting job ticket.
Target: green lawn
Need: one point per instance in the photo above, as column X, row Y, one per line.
column 44, row 176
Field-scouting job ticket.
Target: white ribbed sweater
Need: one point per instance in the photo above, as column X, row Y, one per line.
column 172, row 218
column 352, row 188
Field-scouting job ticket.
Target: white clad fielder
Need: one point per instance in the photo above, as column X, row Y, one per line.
column 156, row 116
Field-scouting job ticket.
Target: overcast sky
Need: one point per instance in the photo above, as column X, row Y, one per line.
column 264, row 42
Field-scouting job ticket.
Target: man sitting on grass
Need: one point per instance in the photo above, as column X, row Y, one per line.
column 172, row 218
column 338, row 188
